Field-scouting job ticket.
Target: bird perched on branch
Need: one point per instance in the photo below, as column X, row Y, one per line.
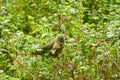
column 54, row 47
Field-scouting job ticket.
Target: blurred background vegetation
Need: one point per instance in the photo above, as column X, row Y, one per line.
column 91, row 51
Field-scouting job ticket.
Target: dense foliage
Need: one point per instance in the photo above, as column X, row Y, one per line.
column 92, row 45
